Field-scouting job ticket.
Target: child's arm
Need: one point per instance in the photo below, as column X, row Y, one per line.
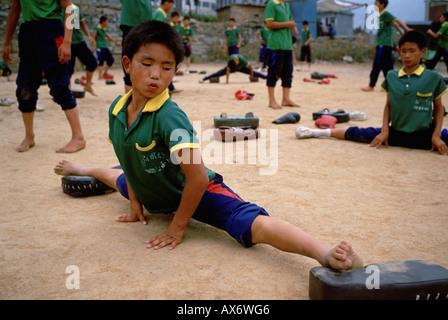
column 384, row 135
column 309, row 40
column 437, row 142
column 251, row 71
column 65, row 51
column 398, row 23
column 136, row 209
column 118, row 44
column 86, row 30
column 196, row 183
column 271, row 24
column 227, row 75
column 11, row 25
column 239, row 41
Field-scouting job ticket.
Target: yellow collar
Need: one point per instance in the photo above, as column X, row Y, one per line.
column 163, row 11
column 152, row 105
column 100, row 26
column 186, row 28
column 446, row 22
column 384, row 10
column 234, row 27
column 418, row 72
column 276, row 1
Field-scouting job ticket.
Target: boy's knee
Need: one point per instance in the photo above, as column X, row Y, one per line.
column 27, row 98
column 63, row 96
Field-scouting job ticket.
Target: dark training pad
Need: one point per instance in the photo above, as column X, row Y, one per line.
column 249, row 120
column 85, row 186
column 291, row 117
column 393, row 280
column 341, row 115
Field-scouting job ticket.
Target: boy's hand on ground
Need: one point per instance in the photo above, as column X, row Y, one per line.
column 129, row 217
column 172, row 237
column 441, row 146
column 379, row 140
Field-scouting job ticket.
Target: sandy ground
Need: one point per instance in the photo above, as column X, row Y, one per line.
column 391, row 204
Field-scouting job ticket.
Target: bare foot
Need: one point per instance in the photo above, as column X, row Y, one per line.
column 274, row 105
column 74, row 145
column 289, row 103
column 367, row 89
column 26, row 145
column 89, row 89
column 68, row 168
column 342, row 257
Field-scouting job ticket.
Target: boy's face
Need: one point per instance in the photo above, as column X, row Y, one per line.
column 411, row 54
column 305, row 26
column 151, row 69
column 175, row 19
column 186, row 22
column 104, row 23
column 231, row 23
column 379, row 5
column 442, row 18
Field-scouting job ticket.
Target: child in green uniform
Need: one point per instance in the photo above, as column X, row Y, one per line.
column 102, row 48
column 305, row 52
column 161, row 13
column 262, row 36
column 162, row 166
column 384, row 60
column 442, row 36
column 278, row 17
column 409, row 119
column 187, row 36
column 44, row 46
column 233, row 38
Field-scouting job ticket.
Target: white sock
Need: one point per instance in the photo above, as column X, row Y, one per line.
column 321, row 133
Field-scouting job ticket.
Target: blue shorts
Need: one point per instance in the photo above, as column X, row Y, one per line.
column 415, row 140
column 222, row 208
column 233, row 50
column 38, row 51
column 82, row 51
column 280, row 67
column 187, row 49
column 104, row 55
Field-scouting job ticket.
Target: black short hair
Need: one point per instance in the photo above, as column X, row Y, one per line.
column 305, row 22
column 186, row 18
column 385, row 2
column 175, row 14
column 414, row 36
column 154, row 31
column 231, row 64
column 445, row 14
column 163, row 1
column 102, row 19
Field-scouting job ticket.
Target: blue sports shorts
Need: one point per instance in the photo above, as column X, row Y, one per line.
column 222, row 208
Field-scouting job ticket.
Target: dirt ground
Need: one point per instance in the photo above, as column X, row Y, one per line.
column 390, row 204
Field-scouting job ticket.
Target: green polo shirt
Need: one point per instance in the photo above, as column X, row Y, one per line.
column 176, row 27
column 279, row 39
column 241, row 61
column 144, row 150
column 186, row 32
column 134, row 12
column 76, row 34
column 100, row 39
column 443, row 39
column 411, row 98
column 35, row 10
column 159, row 15
column 384, row 36
column 306, row 34
column 232, row 35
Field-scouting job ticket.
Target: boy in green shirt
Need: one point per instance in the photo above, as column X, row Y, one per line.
column 442, row 36
column 187, row 36
column 162, row 166
column 161, row 13
column 102, row 49
column 384, row 60
column 305, row 52
column 278, row 17
column 44, row 46
column 409, row 119
column 233, row 38
column 263, row 36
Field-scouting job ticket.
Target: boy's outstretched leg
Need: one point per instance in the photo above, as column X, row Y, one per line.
column 289, row 238
column 304, row 133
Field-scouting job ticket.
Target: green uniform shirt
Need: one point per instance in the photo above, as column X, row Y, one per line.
column 443, row 39
column 279, row 39
column 100, row 40
column 176, row 27
column 306, row 34
column 159, row 15
column 232, row 36
column 264, row 34
column 186, row 32
column 384, row 36
column 411, row 98
column 134, row 12
column 241, row 63
column 144, row 150
column 76, row 34
column 35, row 10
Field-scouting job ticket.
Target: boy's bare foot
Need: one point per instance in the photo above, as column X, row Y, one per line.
column 367, row 89
column 74, row 145
column 89, row 89
column 26, row 145
column 342, row 257
column 68, row 168
column 274, row 105
column 289, row 103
